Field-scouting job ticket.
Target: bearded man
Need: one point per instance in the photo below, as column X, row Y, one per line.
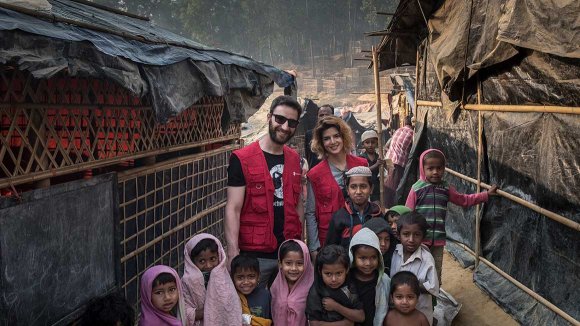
column 263, row 206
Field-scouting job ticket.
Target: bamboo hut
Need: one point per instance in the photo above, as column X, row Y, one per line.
column 498, row 92
column 114, row 143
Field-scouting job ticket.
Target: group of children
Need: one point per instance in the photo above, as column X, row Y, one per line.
column 381, row 270
column 342, row 288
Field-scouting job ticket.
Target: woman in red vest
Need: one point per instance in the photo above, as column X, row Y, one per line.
column 332, row 140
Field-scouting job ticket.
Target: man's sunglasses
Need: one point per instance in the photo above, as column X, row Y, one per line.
column 280, row 119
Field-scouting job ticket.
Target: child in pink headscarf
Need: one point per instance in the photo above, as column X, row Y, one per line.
column 210, row 297
column 291, row 286
column 161, row 297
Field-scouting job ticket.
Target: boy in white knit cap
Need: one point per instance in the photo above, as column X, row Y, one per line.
column 357, row 208
column 370, row 141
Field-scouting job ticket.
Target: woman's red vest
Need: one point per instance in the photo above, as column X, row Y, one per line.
column 327, row 193
column 257, row 215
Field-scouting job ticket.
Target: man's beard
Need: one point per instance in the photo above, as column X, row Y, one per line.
column 274, row 137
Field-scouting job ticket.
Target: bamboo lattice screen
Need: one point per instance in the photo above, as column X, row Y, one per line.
column 51, row 127
column 163, row 206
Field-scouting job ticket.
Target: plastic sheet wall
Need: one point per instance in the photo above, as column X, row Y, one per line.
column 536, row 157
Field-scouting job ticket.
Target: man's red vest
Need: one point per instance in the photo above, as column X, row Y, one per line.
column 257, row 215
column 327, row 193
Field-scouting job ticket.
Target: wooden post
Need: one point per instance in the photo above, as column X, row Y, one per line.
column 379, row 121
column 478, row 208
column 416, row 82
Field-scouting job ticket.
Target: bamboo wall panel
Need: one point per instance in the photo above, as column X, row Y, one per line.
column 64, row 124
column 163, row 206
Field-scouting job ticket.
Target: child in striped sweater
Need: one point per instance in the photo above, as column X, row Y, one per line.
column 430, row 195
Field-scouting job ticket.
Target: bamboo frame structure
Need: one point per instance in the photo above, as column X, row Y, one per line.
column 482, row 108
column 556, row 217
column 163, row 205
column 67, row 125
column 379, row 122
column 479, row 207
column 523, row 108
column 522, row 287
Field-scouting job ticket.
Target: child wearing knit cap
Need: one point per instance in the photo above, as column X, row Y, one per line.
column 392, row 216
column 357, row 208
column 370, row 141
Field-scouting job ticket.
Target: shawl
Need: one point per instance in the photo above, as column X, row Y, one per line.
column 220, row 302
column 150, row 315
column 289, row 305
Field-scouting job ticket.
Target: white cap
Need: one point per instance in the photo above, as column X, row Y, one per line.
column 359, row 171
column 369, row 134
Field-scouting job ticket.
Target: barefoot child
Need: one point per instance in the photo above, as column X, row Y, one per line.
column 332, row 298
column 404, row 295
column 291, row 285
column 430, row 195
column 161, row 298
column 368, row 277
column 209, row 294
column 255, row 300
column 414, row 257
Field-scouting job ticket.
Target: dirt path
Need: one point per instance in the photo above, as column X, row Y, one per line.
column 478, row 309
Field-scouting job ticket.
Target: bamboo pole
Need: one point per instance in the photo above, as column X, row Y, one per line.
column 416, row 81
column 12, row 181
column 429, row 103
column 522, row 287
column 523, row 108
column 510, row 108
column 156, row 167
column 379, row 122
column 478, row 208
column 172, row 231
column 549, row 214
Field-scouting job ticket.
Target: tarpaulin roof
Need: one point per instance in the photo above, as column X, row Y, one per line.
column 464, row 37
column 404, row 33
column 142, row 57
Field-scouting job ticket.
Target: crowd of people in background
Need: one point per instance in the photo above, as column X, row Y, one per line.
column 360, row 263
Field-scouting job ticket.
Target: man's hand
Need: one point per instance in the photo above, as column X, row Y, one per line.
column 313, row 255
column 492, row 191
column 231, row 253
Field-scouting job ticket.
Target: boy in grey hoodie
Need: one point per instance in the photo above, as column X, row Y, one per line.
column 368, row 276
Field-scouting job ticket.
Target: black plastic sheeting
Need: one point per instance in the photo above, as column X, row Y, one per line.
column 546, row 26
column 489, row 35
column 535, row 157
column 45, row 48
